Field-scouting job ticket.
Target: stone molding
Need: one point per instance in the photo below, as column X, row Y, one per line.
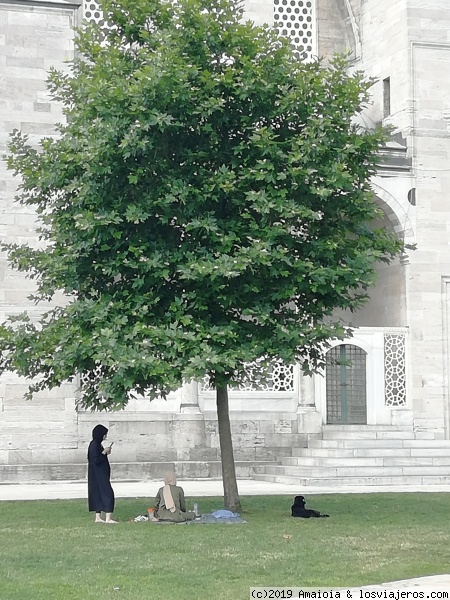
column 72, row 4
column 398, row 215
column 381, row 330
column 355, row 29
column 446, row 350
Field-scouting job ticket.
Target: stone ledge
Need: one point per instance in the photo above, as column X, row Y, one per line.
column 139, row 471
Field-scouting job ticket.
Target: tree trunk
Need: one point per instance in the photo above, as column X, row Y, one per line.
column 230, row 489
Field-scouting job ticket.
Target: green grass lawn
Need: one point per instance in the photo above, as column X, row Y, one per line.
column 52, row 550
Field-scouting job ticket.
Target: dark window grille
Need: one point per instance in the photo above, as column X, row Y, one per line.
column 346, row 385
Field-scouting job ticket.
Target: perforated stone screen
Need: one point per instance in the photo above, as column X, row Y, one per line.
column 276, row 377
column 296, row 19
column 92, row 12
column 394, row 370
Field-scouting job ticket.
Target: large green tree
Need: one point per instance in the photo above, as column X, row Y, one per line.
column 206, row 203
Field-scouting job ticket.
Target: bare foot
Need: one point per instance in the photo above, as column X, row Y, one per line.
column 99, row 521
column 110, row 521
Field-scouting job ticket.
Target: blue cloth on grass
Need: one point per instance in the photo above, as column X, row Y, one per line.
column 208, row 518
column 224, row 514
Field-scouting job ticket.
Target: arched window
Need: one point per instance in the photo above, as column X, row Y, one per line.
column 346, row 385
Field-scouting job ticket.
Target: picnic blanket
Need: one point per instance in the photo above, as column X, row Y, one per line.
column 207, row 518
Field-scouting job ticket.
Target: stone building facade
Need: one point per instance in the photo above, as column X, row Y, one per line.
column 398, row 385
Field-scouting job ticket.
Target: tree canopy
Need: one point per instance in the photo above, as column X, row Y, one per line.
column 206, row 203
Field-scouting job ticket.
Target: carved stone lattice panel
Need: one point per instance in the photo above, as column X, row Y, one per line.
column 92, row 12
column 295, row 19
column 276, row 377
column 394, row 370
column 92, row 377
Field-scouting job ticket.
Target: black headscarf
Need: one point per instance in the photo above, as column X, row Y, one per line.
column 98, row 433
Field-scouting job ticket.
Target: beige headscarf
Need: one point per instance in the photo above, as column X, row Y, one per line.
column 169, row 479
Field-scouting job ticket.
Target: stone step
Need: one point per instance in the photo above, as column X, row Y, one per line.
column 350, row 452
column 354, row 471
column 350, row 444
column 138, row 471
column 373, row 461
column 364, row 434
column 379, row 443
column 315, row 461
column 371, row 452
column 365, row 455
column 416, row 480
column 420, row 451
column 367, row 428
column 426, row 443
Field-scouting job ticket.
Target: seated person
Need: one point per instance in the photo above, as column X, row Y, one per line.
column 170, row 504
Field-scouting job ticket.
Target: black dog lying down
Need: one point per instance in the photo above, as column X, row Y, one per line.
column 298, row 509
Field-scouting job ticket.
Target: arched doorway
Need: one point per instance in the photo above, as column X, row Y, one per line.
column 346, row 394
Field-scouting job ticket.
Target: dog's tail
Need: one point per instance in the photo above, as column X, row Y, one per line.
column 323, row 516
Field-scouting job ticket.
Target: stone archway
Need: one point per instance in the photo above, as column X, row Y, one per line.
column 387, row 304
column 338, row 27
column 397, row 212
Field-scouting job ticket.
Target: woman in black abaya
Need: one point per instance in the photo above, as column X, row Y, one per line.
column 100, row 492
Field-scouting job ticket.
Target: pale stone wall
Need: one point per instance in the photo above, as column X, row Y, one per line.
column 387, row 304
column 194, row 437
column 407, row 40
column 259, row 11
column 431, row 262
column 335, row 30
column 38, row 436
column 385, row 53
column 33, row 38
column 355, row 6
column 42, row 446
column 429, row 24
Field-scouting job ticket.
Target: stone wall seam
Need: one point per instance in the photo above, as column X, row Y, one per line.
column 355, row 29
column 446, row 350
